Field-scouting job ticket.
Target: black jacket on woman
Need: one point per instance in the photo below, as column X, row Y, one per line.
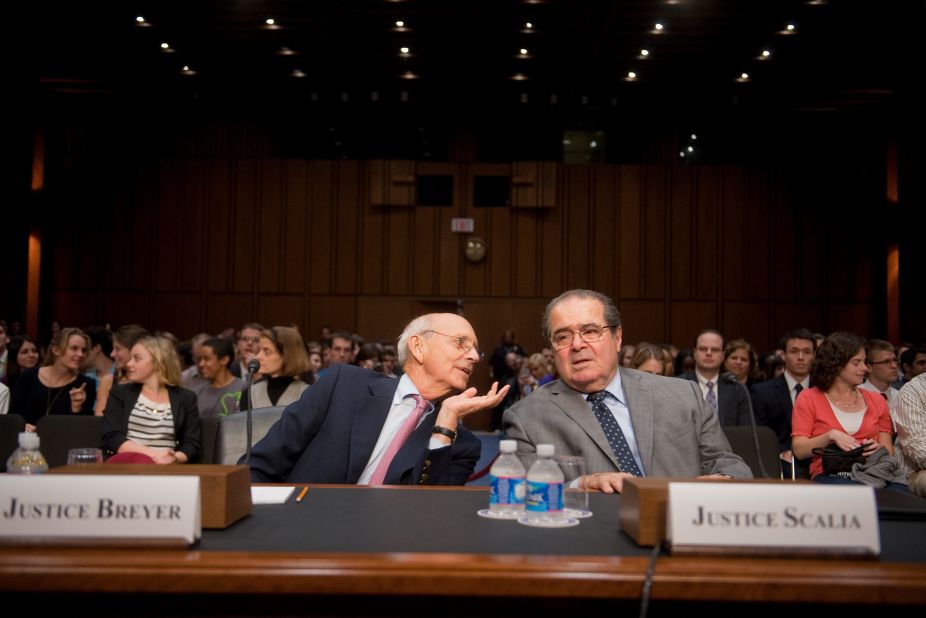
column 187, row 426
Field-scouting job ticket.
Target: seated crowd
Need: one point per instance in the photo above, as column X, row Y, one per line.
column 582, row 392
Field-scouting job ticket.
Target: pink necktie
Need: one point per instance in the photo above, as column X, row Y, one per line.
column 398, row 440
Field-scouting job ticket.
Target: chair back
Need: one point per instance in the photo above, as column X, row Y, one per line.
column 210, row 427
column 743, row 444
column 231, row 433
column 59, row 433
column 11, row 425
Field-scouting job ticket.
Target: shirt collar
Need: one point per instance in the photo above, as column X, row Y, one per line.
column 703, row 381
column 407, row 388
column 614, row 388
column 792, row 382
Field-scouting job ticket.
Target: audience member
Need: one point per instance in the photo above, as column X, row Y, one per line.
column 151, row 415
column 913, row 362
column 622, row 422
column 283, row 360
column 911, row 433
column 369, row 357
column 390, row 361
column 649, row 358
column 836, row 411
column 627, row 353
column 500, row 368
column 882, row 372
column 338, row 349
column 357, row 426
column 684, row 362
column 219, row 392
column 247, row 347
column 773, row 399
column 57, row 387
column 740, row 359
column 23, row 354
column 728, row 401
column 191, row 375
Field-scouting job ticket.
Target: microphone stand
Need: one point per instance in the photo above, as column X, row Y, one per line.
column 731, row 379
column 253, row 366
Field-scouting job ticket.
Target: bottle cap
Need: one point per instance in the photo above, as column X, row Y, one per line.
column 545, row 450
column 507, row 446
column 28, row 440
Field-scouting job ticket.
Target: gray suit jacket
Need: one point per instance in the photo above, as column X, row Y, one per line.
column 676, row 433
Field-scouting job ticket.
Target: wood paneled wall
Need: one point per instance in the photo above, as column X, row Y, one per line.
column 196, row 244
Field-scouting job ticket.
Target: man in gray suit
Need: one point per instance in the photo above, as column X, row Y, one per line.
column 623, row 422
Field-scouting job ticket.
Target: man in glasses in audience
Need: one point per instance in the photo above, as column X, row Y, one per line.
column 882, row 372
column 246, row 349
column 623, row 422
column 360, row 427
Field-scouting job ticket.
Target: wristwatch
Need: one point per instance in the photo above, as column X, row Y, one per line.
column 450, row 433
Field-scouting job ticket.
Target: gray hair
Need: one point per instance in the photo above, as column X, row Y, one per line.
column 611, row 315
column 415, row 327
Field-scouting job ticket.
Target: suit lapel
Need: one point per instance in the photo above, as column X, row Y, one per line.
column 781, row 391
column 573, row 404
column 723, row 400
column 369, row 418
column 640, row 403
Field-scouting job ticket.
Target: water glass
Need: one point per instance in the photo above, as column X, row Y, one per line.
column 575, row 498
column 80, row 456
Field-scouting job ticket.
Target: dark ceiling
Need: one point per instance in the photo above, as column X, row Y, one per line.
column 844, row 56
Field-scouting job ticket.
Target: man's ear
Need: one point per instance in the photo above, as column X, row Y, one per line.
column 416, row 348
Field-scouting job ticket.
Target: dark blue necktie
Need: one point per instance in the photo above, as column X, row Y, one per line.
column 613, row 433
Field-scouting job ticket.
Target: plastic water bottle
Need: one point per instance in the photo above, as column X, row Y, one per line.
column 545, row 487
column 508, row 485
column 27, row 459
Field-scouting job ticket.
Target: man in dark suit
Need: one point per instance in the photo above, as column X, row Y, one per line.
column 728, row 400
column 360, row 427
column 773, row 399
column 623, row 422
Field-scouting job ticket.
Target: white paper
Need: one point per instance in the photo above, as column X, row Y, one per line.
column 271, row 495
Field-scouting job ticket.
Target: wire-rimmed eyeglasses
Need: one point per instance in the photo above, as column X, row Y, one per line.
column 462, row 343
column 589, row 333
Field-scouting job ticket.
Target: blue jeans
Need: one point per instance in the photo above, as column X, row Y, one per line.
column 830, row 479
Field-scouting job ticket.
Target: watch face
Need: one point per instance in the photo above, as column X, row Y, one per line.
column 475, row 249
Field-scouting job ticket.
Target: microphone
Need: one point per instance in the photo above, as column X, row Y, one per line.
column 253, row 366
column 730, row 378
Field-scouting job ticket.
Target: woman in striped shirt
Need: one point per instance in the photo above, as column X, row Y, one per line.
column 152, row 419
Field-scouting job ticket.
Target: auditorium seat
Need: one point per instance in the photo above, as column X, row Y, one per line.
column 231, row 433
column 743, row 444
column 11, row 425
column 59, row 433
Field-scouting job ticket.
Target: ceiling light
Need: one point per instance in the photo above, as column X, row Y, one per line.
column 408, row 75
column 644, row 52
column 186, row 70
column 593, row 144
column 631, row 75
column 790, row 27
column 165, row 46
column 271, row 22
column 744, row 77
column 766, row 53
column 519, row 77
column 523, row 51
column 658, row 26
column 693, row 136
column 140, row 21
column 681, row 153
column 690, row 149
column 400, row 24
column 403, row 50
column 528, row 26
column 297, row 73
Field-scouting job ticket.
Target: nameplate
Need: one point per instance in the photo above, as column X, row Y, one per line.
column 772, row 519
column 84, row 509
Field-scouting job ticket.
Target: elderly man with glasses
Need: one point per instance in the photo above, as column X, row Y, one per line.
column 623, row 422
column 356, row 426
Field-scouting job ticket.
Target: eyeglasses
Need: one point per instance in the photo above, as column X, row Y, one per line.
column 886, row 361
column 590, row 333
column 462, row 343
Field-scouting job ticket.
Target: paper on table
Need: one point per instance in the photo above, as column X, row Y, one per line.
column 270, row 495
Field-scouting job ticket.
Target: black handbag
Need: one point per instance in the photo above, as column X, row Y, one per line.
column 836, row 460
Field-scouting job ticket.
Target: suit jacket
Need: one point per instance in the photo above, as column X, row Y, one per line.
column 732, row 401
column 183, row 406
column 328, row 435
column 772, row 402
column 677, row 434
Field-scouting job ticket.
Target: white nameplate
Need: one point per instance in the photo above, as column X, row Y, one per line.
column 771, row 518
column 80, row 508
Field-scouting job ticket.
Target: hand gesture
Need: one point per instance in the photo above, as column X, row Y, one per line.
column 78, row 397
column 455, row 408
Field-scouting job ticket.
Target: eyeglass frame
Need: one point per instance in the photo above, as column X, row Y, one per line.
column 459, row 342
column 886, row 361
column 573, row 334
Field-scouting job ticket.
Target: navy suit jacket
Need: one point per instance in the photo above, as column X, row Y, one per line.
column 732, row 401
column 328, row 435
column 772, row 403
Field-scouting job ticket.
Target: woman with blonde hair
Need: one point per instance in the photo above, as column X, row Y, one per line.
column 283, row 360
column 57, row 387
column 152, row 419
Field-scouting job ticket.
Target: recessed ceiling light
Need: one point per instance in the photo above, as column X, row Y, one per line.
column 403, row 50
column 408, row 75
column 271, row 22
column 400, row 24
column 681, row 153
column 286, row 51
column 519, row 77
column 766, row 53
column 523, row 51
column 528, row 26
column 297, row 73
column 186, row 70
column 693, row 136
column 644, row 52
column 744, row 77
column 141, row 21
column 658, row 26
column 790, row 27
column 690, row 149
column 165, row 46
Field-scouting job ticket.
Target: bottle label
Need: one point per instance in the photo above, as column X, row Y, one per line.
column 544, row 497
column 508, row 490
